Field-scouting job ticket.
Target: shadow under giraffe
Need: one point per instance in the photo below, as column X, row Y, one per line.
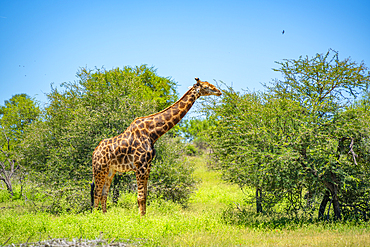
column 133, row 150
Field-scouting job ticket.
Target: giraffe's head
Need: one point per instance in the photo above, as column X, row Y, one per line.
column 205, row 88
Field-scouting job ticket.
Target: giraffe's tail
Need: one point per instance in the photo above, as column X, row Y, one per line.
column 92, row 186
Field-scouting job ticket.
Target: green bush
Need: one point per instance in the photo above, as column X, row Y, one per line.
column 4, row 196
column 190, row 150
column 68, row 199
column 171, row 176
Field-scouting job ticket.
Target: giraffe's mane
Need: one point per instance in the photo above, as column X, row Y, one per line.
column 154, row 114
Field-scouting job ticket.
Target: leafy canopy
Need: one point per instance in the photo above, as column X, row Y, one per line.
column 16, row 113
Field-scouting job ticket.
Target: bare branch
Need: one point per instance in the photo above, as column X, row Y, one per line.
column 6, row 241
column 6, row 137
column 354, row 155
column 6, row 154
column 238, row 206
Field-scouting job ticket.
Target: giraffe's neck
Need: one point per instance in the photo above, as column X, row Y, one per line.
column 159, row 123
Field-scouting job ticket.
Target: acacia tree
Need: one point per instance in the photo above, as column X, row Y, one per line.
column 327, row 88
column 306, row 134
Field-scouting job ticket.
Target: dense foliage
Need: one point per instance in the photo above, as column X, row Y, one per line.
column 171, row 177
column 304, row 143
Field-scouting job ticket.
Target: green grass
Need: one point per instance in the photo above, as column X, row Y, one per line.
column 167, row 224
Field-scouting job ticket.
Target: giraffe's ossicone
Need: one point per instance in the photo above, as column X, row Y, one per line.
column 133, row 150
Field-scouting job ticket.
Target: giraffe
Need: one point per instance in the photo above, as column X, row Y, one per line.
column 133, row 150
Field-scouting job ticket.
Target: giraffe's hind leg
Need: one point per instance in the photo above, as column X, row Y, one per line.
column 99, row 180
column 98, row 176
column 105, row 189
column 97, row 193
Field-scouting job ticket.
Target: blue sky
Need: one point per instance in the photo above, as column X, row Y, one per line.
column 238, row 42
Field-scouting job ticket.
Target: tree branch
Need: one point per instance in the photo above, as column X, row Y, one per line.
column 354, row 155
column 6, row 137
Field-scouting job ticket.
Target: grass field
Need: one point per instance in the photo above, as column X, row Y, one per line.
column 167, row 224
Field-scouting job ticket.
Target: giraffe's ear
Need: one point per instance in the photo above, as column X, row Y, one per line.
column 198, row 81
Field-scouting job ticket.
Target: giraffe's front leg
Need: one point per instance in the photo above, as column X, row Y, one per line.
column 142, row 185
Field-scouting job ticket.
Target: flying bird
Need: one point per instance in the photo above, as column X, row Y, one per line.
column 283, row 32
